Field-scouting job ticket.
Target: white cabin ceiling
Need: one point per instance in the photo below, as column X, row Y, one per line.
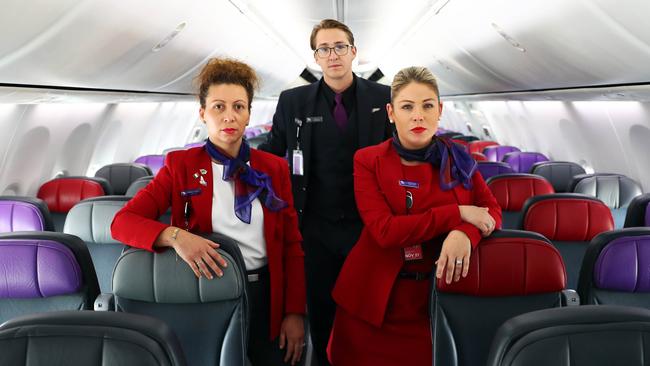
column 104, row 44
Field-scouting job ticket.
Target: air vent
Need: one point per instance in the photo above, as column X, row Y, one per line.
column 508, row 38
column 172, row 35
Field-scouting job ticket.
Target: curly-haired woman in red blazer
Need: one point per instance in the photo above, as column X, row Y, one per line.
column 243, row 193
column 418, row 195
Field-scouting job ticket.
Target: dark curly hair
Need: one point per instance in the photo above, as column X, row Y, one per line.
column 226, row 71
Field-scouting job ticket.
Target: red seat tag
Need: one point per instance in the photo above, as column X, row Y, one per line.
column 413, row 253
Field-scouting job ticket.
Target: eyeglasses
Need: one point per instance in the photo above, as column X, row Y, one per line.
column 339, row 49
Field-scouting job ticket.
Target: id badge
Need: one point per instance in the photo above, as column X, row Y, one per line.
column 297, row 162
column 413, row 253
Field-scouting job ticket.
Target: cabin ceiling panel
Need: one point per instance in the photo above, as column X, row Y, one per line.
column 567, row 44
column 108, row 45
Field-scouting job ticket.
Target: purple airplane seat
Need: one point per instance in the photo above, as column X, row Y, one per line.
column 154, row 162
column 522, row 162
column 195, row 144
column 496, row 153
column 20, row 213
column 44, row 271
column 614, row 270
column 489, row 169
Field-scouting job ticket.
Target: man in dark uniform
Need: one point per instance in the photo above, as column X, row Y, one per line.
column 319, row 127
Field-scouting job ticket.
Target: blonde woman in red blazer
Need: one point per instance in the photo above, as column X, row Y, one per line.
column 225, row 92
column 424, row 208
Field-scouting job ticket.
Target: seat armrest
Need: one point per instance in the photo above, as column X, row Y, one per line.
column 104, row 302
column 570, row 298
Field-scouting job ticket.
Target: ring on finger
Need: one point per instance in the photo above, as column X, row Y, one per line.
column 459, row 262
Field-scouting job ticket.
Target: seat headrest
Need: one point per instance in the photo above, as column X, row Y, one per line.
column 512, row 190
column 142, row 337
column 637, row 212
column 466, row 138
column 577, row 178
column 171, row 149
column 478, row 156
column 541, row 336
column 45, row 258
column 161, row 278
column 91, row 219
column 478, row 146
column 20, row 213
column 137, row 186
column 567, row 216
column 559, row 173
column 511, row 263
column 121, row 175
column 154, row 162
column 38, row 268
column 195, row 144
column 61, row 194
column 618, row 263
column 521, row 162
column 613, row 261
column 496, row 153
column 489, row 169
column 463, row 143
column 617, row 191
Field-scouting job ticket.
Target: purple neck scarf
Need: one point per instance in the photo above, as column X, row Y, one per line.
column 249, row 183
column 455, row 164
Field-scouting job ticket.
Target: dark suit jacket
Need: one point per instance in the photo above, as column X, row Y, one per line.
column 300, row 103
column 364, row 285
column 135, row 224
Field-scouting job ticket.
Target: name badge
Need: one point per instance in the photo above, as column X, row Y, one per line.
column 409, row 184
column 315, row 119
column 296, row 159
column 191, row 192
column 413, row 253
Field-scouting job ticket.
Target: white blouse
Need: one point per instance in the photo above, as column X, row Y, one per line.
column 250, row 236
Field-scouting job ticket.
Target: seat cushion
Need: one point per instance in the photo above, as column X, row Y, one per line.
column 37, row 268
column 88, row 338
column 62, row 193
column 565, row 217
column 617, row 267
column 121, row 175
column 559, row 173
column 478, row 146
column 154, row 162
column 496, row 153
column 490, row 169
column 574, row 336
column 534, row 266
column 522, row 162
column 512, row 190
column 19, row 213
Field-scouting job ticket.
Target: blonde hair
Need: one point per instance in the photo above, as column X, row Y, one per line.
column 413, row 74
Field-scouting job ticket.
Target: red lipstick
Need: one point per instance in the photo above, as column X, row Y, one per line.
column 229, row 131
column 418, row 129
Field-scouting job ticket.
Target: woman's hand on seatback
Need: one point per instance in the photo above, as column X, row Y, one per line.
column 454, row 257
column 199, row 253
column 292, row 336
column 479, row 217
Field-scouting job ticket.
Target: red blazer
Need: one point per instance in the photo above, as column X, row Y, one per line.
column 136, row 224
column 364, row 285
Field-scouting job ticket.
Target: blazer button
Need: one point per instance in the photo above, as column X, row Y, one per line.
column 304, row 189
column 300, row 210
